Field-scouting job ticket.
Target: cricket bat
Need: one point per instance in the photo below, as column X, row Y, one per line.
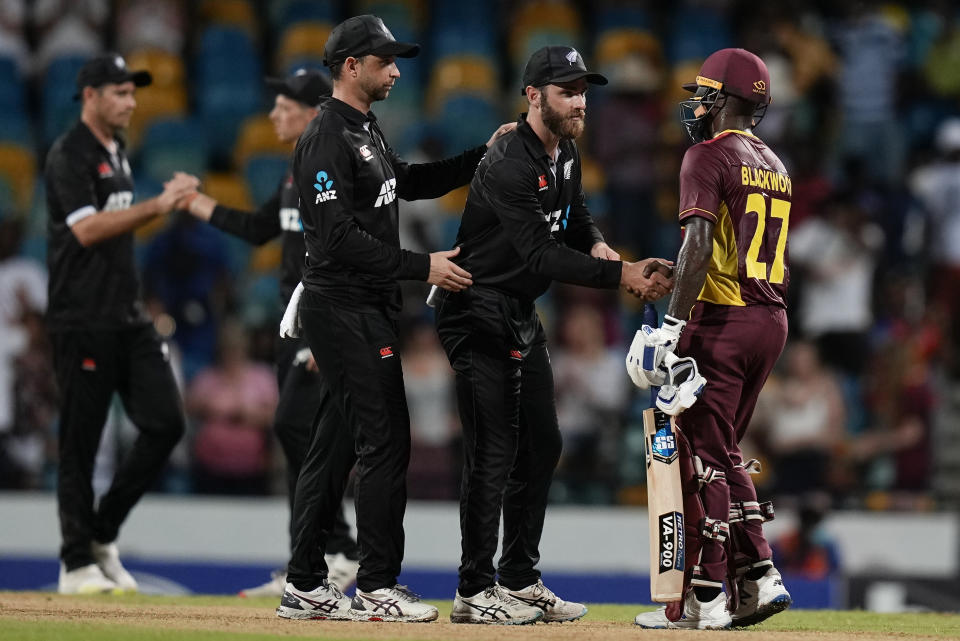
column 664, row 497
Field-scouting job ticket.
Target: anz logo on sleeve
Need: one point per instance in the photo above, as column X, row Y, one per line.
column 290, row 219
column 557, row 219
column 325, row 190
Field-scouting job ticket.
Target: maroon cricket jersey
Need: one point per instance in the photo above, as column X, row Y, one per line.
column 736, row 182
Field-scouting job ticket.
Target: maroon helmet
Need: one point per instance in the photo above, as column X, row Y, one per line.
column 735, row 72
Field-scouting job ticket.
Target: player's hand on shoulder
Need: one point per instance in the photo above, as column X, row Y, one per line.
column 648, row 279
column 446, row 274
column 501, row 130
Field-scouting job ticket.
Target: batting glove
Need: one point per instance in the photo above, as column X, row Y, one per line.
column 649, row 348
column 682, row 387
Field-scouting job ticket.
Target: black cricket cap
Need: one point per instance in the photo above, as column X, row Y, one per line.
column 308, row 86
column 361, row 36
column 109, row 68
column 557, row 64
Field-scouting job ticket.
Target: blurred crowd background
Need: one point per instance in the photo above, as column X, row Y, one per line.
column 861, row 412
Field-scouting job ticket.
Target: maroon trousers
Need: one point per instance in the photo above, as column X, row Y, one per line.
column 735, row 349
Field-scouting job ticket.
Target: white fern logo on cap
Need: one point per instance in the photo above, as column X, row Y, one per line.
column 572, row 56
column 121, row 64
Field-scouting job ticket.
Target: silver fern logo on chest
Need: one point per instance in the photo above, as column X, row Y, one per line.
column 567, row 169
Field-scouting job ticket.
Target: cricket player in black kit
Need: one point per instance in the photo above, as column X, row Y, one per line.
column 349, row 180
column 524, row 225
column 103, row 341
column 298, row 97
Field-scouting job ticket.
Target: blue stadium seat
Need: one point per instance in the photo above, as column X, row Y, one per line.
column 696, row 32
column 285, row 13
column 620, row 17
column 59, row 85
column 14, row 127
column 11, row 88
column 466, row 121
column 173, row 145
column 263, row 173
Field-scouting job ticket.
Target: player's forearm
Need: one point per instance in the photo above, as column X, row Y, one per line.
column 691, row 272
column 107, row 224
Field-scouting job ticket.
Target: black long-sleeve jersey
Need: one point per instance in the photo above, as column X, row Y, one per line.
column 94, row 287
column 349, row 180
column 279, row 215
column 525, row 223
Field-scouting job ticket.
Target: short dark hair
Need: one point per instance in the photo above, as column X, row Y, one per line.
column 337, row 69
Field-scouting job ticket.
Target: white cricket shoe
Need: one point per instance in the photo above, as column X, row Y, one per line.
column 273, row 587
column 341, row 571
column 761, row 599
column 324, row 602
column 397, row 603
column 493, row 606
column 86, row 580
column 555, row 609
column 108, row 559
column 697, row 615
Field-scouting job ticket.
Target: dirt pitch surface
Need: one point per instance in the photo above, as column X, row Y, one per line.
column 241, row 619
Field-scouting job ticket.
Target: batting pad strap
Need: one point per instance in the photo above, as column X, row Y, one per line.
column 752, row 466
column 743, row 569
column 705, row 473
column 715, row 529
column 698, row 578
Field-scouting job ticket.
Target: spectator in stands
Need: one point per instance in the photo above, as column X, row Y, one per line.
column 428, row 380
column 69, row 28
column 935, row 187
column 232, row 404
column 151, row 24
column 591, row 396
column 804, row 418
column 836, row 254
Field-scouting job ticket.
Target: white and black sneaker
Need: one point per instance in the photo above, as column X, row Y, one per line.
column 397, row 603
column 493, row 606
column 761, row 599
column 555, row 609
column 697, row 615
column 341, row 571
column 324, row 602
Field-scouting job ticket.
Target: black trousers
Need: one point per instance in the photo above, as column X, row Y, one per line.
column 90, row 367
column 511, row 441
column 300, row 394
column 362, row 419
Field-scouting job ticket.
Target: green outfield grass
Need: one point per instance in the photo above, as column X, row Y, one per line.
column 84, row 621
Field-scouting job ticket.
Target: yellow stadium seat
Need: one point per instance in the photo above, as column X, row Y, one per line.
column 542, row 15
column 614, row 45
column 266, row 257
column 155, row 102
column 228, row 189
column 302, row 40
column 459, row 74
column 166, row 68
column 416, row 9
column 257, row 136
column 19, row 166
column 454, row 201
column 237, row 13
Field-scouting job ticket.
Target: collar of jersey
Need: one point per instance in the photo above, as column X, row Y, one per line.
column 732, row 131
column 352, row 115
column 532, row 141
column 93, row 140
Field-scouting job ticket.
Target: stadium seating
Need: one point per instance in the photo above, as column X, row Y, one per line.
column 173, row 145
column 264, row 173
column 234, row 13
column 302, row 44
column 257, row 136
column 18, row 167
column 59, row 85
